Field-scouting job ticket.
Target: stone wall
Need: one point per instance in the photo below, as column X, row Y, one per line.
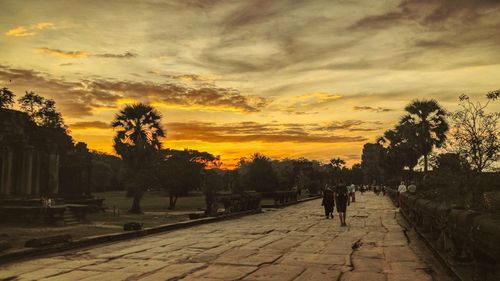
column 467, row 240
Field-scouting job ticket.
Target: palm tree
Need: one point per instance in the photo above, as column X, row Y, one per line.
column 426, row 125
column 137, row 141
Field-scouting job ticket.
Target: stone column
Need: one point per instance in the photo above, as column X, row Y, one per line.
column 6, row 171
column 27, row 170
column 53, row 169
column 35, row 186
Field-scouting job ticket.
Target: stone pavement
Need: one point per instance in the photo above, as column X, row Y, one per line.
column 295, row 243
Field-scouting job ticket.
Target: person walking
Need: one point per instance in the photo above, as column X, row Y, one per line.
column 401, row 189
column 342, row 200
column 352, row 193
column 328, row 202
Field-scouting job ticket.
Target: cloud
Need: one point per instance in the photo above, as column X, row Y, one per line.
column 172, row 95
column 90, row 125
column 82, row 54
column 351, row 126
column 191, row 77
column 310, row 101
column 372, row 109
column 22, row 31
column 80, row 98
column 62, row 53
column 253, row 131
column 125, row 55
column 430, row 12
column 19, row 31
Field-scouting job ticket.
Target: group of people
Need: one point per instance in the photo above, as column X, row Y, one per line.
column 342, row 196
column 339, row 196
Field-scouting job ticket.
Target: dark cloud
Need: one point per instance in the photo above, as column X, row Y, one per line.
column 258, row 11
column 79, row 98
column 67, row 64
column 62, row 53
column 90, row 125
column 125, row 55
column 253, row 131
column 372, row 109
column 435, row 44
column 180, row 95
column 344, row 125
column 188, row 77
column 350, row 125
column 429, row 12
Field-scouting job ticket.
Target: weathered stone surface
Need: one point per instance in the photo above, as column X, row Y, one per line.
column 362, row 276
column 224, row 272
column 361, row 264
column 409, row 276
column 312, row 274
column 295, row 243
column 173, row 271
column 72, row 275
column 275, row 273
column 316, row 260
column 399, row 254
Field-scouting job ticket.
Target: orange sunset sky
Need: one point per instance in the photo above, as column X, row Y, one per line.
column 315, row 78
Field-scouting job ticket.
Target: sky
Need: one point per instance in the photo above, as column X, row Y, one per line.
column 286, row 78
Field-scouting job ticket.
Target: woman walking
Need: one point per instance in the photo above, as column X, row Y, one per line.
column 328, row 202
column 342, row 199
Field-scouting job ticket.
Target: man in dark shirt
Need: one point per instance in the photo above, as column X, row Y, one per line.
column 342, row 200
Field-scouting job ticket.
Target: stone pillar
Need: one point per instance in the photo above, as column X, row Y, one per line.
column 35, row 186
column 53, row 168
column 26, row 170
column 6, row 171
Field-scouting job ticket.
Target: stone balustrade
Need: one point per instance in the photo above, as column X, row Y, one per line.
column 466, row 239
column 282, row 198
column 233, row 203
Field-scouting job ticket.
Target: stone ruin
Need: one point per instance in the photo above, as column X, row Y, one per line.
column 37, row 163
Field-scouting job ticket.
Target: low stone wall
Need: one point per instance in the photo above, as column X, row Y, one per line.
column 467, row 240
column 235, row 203
column 281, row 198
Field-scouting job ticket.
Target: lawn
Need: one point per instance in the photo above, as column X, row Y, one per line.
column 152, row 201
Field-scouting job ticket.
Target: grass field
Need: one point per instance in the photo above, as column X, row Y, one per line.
column 153, row 201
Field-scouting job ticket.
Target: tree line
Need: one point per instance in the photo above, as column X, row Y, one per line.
column 467, row 142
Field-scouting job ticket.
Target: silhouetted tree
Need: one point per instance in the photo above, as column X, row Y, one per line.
column 212, row 182
column 285, row 173
column 261, row 175
column 41, row 111
column 401, row 150
column 31, row 103
column 476, row 136
column 373, row 162
column 450, row 179
column 180, row 171
column 137, row 141
column 426, row 126
column 6, row 98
